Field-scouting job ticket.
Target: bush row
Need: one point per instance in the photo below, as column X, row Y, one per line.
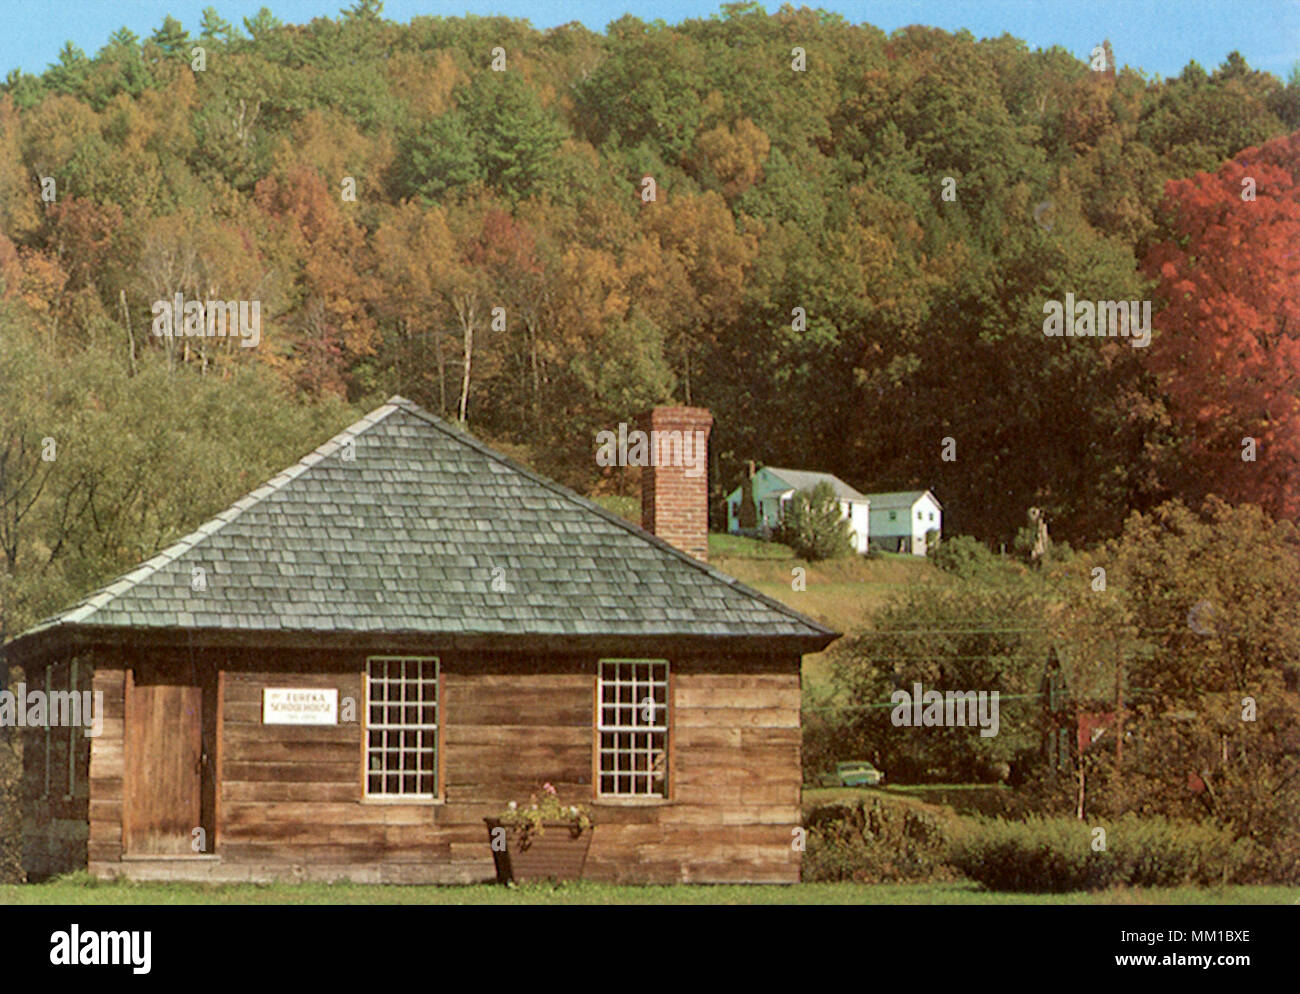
column 881, row 840
column 1064, row 854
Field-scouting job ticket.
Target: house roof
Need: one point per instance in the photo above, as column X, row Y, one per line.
column 899, row 498
column 408, row 536
column 799, row 479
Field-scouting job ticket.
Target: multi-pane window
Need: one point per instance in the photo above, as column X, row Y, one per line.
column 633, row 728
column 402, row 727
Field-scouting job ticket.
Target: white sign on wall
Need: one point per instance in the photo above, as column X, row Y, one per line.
column 300, row 706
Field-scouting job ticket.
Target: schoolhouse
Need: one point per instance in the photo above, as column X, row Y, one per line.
column 342, row 675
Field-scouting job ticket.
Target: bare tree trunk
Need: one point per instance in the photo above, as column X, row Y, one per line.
column 442, row 376
column 467, row 322
column 537, row 387
column 130, row 332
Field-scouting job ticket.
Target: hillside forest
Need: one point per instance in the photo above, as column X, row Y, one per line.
column 839, row 241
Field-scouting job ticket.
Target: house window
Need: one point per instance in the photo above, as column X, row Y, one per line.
column 919, row 516
column 402, row 727
column 632, row 728
column 931, row 515
column 893, row 515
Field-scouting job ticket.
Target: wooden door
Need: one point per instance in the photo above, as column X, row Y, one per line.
column 168, row 776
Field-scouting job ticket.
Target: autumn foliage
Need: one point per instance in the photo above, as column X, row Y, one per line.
column 845, row 257
column 1227, row 347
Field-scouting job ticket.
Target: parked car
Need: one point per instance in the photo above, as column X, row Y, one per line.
column 854, row 773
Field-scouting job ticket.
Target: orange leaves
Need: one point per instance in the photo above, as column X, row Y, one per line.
column 82, row 233
column 1227, row 348
column 333, row 279
column 30, row 276
column 327, row 143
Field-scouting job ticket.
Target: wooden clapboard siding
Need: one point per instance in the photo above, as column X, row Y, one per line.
column 735, row 781
column 55, row 821
column 290, row 801
column 107, row 765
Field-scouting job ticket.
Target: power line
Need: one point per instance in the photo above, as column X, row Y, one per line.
column 1129, row 691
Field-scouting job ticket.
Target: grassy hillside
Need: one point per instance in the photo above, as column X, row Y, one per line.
column 841, row 593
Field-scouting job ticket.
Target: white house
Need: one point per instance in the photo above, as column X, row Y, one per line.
column 773, row 489
column 900, row 520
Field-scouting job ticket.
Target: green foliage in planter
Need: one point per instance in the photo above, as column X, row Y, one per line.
column 1056, row 854
column 526, row 821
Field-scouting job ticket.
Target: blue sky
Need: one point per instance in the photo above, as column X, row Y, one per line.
column 1158, row 36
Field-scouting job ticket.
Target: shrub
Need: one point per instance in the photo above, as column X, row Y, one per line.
column 965, row 634
column 877, row 840
column 963, row 556
column 813, row 525
column 1056, row 855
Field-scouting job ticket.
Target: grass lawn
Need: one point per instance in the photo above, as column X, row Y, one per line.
column 841, row 593
column 725, row 546
column 961, row 798
column 78, row 891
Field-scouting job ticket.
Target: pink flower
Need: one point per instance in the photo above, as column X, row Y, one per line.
column 548, row 788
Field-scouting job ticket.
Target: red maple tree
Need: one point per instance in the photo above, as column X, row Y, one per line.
column 1226, row 347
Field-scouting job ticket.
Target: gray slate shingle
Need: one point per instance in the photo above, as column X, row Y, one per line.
column 405, row 537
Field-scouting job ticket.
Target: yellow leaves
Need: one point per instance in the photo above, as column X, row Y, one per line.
column 701, row 255
column 169, row 109
column 735, row 156
column 330, row 144
column 425, row 86
column 19, row 217
column 413, row 247
column 598, row 285
column 55, row 129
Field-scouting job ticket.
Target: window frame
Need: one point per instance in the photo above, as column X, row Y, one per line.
column 437, row 796
column 599, row 728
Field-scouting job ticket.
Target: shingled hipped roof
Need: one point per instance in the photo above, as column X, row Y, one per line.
column 408, row 536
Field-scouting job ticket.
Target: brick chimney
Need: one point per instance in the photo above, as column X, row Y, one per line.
column 675, row 486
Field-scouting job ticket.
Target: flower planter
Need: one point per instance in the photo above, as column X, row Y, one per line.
column 559, row 853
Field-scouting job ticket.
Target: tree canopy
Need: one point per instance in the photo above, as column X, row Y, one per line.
column 838, row 240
